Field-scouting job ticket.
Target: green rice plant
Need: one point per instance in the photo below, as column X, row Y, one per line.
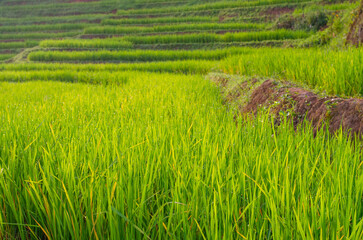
column 43, row 27
column 19, row 2
column 336, row 72
column 161, row 20
column 99, row 77
column 6, row 56
column 236, row 12
column 113, row 43
column 265, row 35
column 216, row 45
column 174, row 38
column 52, row 19
column 131, row 56
column 160, row 157
column 208, row 6
column 158, row 4
column 60, row 9
column 212, row 37
column 14, row 45
column 174, row 28
column 150, row 149
column 185, row 67
column 38, row 35
column 328, row 7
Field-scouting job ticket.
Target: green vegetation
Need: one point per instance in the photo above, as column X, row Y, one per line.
column 131, row 56
column 112, row 125
column 336, row 72
column 162, row 20
column 59, row 9
column 114, row 43
column 161, row 150
column 210, row 37
column 52, row 19
column 12, row 45
column 38, row 35
column 209, row 6
column 326, row 7
column 66, row 76
column 43, row 27
column 20, row 72
column 126, row 42
column 6, row 56
column 174, row 28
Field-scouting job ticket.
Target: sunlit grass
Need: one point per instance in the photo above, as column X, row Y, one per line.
column 333, row 71
column 132, row 56
column 161, row 157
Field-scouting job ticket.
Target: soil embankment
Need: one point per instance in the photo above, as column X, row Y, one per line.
column 287, row 99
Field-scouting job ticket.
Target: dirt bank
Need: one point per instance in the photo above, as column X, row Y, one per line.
column 294, row 102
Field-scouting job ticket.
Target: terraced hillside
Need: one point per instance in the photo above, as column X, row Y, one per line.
column 180, row 119
column 157, row 25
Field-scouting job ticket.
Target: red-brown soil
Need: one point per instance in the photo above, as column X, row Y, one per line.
column 286, row 99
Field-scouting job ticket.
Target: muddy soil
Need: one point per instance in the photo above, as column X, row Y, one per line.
column 296, row 103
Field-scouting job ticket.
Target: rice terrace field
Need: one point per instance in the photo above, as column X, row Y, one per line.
column 181, row 119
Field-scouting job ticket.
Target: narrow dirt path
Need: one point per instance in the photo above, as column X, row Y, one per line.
column 22, row 57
